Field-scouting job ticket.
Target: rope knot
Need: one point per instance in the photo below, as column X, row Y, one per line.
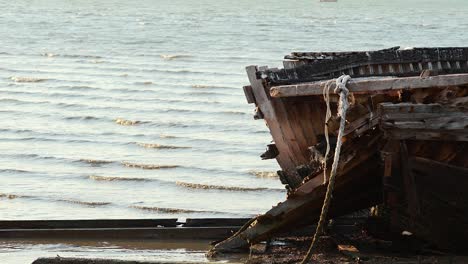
column 341, row 84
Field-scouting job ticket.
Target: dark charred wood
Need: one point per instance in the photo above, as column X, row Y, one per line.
column 258, row 114
column 291, row 181
column 388, row 62
column 304, row 171
column 270, row 153
column 411, row 191
column 329, row 55
column 282, row 176
column 249, row 95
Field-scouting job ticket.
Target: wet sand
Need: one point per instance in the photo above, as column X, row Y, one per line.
column 15, row 251
column 293, row 250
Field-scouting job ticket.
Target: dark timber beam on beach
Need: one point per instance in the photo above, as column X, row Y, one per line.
column 161, row 233
column 215, row 222
column 372, row 85
column 91, row 223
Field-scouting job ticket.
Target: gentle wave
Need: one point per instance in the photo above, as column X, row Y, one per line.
column 72, row 201
column 234, row 113
column 14, row 171
column 217, row 187
column 10, row 196
column 9, row 100
column 95, row 162
column 125, row 122
column 92, row 204
column 264, row 174
column 144, row 83
column 170, row 210
column 175, row 56
column 20, row 79
column 211, row 86
column 167, row 136
column 203, row 86
column 148, row 166
column 115, row 178
column 81, row 118
column 159, row 146
column 50, row 55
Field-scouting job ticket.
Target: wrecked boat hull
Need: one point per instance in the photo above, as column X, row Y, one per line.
column 404, row 145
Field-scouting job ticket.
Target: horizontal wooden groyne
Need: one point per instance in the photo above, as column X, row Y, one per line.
column 133, row 229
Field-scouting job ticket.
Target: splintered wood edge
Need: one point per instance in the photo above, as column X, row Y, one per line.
column 371, row 85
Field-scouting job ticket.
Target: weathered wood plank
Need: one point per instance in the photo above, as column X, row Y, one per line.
column 372, row 85
column 361, row 125
column 280, row 130
column 424, row 121
column 269, row 115
column 249, row 95
column 424, row 134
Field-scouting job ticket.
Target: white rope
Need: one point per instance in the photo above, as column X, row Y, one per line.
column 326, row 98
column 343, row 106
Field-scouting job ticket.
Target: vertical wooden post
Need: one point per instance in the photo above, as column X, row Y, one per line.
column 411, row 192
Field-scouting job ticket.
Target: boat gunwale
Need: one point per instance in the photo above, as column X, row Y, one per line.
column 371, row 85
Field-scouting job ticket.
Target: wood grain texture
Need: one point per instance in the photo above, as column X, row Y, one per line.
column 372, row 85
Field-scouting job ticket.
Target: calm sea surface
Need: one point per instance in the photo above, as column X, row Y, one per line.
column 134, row 109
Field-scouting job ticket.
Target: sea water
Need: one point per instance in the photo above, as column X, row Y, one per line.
column 135, row 109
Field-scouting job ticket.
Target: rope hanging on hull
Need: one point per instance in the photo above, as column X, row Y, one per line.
column 343, row 106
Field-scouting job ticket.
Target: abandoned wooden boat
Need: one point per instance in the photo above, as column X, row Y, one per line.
column 404, row 143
